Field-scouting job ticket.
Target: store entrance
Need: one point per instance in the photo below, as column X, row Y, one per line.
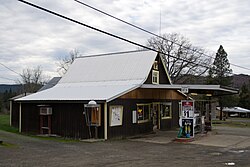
column 156, row 116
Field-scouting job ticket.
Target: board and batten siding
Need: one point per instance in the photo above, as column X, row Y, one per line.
column 153, row 94
column 67, row 120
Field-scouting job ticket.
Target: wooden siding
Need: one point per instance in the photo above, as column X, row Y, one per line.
column 67, row 120
column 153, row 94
column 163, row 78
column 15, row 115
column 130, row 129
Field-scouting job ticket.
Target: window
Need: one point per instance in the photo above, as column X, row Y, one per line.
column 166, row 110
column 155, row 77
column 143, row 112
column 155, row 66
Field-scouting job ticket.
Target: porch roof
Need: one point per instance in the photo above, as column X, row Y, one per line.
column 214, row 90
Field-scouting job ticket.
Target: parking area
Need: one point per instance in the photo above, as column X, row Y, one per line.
column 223, row 147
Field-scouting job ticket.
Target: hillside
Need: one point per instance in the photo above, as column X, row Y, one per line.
column 12, row 88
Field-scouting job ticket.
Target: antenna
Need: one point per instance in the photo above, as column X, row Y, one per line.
column 160, row 21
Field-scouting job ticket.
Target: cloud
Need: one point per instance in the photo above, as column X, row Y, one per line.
column 29, row 37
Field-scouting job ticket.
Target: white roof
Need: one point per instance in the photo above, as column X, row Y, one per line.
column 236, row 109
column 100, row 77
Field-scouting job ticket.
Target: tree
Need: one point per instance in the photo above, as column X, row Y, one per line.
column 66, row 61
column 244, row 101
column 219, row 74
column 32, row 79
column 181, row 58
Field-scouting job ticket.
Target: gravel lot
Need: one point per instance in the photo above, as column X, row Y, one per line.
column 20, row 150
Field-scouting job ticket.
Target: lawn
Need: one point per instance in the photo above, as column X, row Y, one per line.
column 233, row 122
column 5, row 123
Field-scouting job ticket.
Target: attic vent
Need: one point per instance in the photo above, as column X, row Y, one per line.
column 155, row 66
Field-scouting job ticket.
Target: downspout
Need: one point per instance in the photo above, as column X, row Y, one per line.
column 20, row 117
column 105, row 121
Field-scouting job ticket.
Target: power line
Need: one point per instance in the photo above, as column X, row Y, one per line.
column 10, row 69
column 7, row 78
column 104, row 32
column 144, row 30
column 107, row 33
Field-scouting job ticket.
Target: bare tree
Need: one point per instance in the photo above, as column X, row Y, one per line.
column 32, row 79
column 66, row 61
column 181, row 58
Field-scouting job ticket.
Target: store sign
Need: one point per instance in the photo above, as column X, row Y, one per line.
column 184, row 89
column 187, row 108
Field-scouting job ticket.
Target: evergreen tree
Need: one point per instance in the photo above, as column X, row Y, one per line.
column 244, row 101
column 220, row 71
column 219, row 74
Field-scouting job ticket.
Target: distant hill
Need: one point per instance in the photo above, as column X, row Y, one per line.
column 237, row 80
column 13, row 88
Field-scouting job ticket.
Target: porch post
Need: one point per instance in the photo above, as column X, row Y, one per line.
column 10, row 111
column 105, row 121
column 20, row 117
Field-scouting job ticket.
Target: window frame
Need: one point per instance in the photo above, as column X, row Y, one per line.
column 149, row 110
column 170, row 110
column 157, row 77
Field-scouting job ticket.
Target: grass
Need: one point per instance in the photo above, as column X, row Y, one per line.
column 233, row 122
column 5, row 124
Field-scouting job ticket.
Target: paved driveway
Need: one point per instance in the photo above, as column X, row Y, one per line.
column 22, row 150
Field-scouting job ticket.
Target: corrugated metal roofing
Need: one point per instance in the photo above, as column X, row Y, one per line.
column 100, row 77
column 116, row 67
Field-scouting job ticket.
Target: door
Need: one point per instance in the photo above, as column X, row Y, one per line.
column 156, row 116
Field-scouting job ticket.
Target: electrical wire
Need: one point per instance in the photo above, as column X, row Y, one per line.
column 151, row 33
column 9, row 69
column 107, row 33
column 7, row 78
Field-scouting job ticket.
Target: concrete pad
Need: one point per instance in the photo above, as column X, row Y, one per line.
column 231, row 141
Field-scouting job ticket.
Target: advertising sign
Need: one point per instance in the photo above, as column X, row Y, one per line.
column 187, row 108
column 188, row 127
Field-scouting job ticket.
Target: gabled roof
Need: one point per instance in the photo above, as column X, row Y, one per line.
column 50, row 84
column 100, row 77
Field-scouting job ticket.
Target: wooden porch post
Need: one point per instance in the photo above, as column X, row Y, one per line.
column 20, row 117
column 10, row 112
column 105, row 121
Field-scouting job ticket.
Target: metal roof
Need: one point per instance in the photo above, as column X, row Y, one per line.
column 236, row 109
column 103, row 77
column 50, row 84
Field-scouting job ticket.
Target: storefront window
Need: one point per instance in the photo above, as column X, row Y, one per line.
column 166, row 110
column 143, row 112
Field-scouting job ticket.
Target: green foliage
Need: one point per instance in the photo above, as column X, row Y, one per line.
column 219, row 74
column 244, row 100
column 220, row 71
column 5, row 123
column 4, row 100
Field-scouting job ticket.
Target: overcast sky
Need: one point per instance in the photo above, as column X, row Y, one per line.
column 30, row 37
